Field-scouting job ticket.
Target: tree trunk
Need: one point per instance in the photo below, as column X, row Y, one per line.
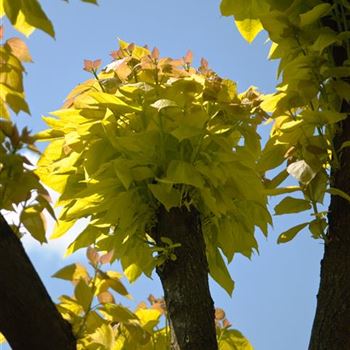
column 331, row 328
column 185, row 281
column 28, row 317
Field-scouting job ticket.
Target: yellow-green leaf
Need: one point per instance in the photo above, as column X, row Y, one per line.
column 291, row 233
column 36, row 17
column 337, row 192
column 166, row 195
column 290, row 205
column 73, row 272
column 314, row 14
column 183, row 172
column 35, row 222
column 61, row 227
column 104, row 336
column 218, row 269
column 84, row 295
column 231, row 339
column 249, row 28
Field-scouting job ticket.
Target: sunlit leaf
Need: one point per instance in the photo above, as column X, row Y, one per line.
column 301, row 171
column 19, row 49
column 291, row 233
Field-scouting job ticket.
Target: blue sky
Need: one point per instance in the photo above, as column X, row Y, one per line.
column 274, row 300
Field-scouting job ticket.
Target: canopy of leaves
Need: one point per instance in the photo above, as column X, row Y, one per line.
column 305, row 108
column 154, row 131
column 99, row 322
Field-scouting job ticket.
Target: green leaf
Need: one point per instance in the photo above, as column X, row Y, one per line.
column 183, row 172
column 113, row 102
column 282, row 190
column 163, row 103
column 61, row 227
column 344, row 145
column 290, row 205
column 85, row 238
column 341, row 88
column 314, row 14
column 231, row 339
column 116, row 285
column 119, row 313
column 249, row 28
column 149, row 318
column 121, row 168
column 132, row 272
column 323, row 117
column 34, row 221
column 337, row 192
column 12, row 8
column 36, row 17
column 73, row 272
column 317, row 227
column 104, row 335
column 169, row 197
column 247, row 15
column 272, row 156
column 291, row 233
column 218, row 269
column 84, row 295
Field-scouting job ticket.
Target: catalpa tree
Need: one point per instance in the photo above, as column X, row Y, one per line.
column 172, row 121
column 154, row 153
column 310, row 136
column 165, row 162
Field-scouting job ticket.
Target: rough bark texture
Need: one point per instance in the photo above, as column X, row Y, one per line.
column 28, row 317
column 331, row 328
column 185, row 281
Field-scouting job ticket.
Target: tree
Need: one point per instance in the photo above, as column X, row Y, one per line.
column 311, row 131
column 172, row 144
column 178, row 194
column 133, row 150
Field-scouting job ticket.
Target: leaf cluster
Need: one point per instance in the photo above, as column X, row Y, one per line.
column 152, row 131
column 306, row 107
column 100, row 322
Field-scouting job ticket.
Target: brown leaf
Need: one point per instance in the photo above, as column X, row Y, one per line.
column 131, row 47
column 141, row 305
column 204, row 63
column 219, row 314
column 188, row 57
column 226, row 323
column 91, row 66
column 155, row 53
column 1, row 32
column 106, row 297
column 117, row 54
column 152, row 299
column 92, row 255
column 20, row 49
column 107, row 258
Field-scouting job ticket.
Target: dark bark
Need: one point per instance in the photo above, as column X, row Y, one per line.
column 185, row 281
column 28, row 317
column 331, row 328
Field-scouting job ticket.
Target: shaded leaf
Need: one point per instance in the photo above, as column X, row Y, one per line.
column 290, row 205
column 35, row 222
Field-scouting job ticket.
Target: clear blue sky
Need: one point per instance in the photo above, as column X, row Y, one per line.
column 274, row 300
